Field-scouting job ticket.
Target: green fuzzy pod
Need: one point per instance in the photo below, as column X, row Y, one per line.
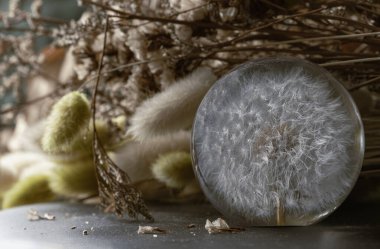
column 33, row 189
column 84, row 142
column 82, row 145
column 68, row 119
column 75, row 179
column 174, row 169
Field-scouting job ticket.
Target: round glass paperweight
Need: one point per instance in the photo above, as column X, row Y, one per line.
column 277, row 142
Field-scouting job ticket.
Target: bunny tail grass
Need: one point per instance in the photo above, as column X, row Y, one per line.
column 13, row 165
column 69, row 117
column 173, row 109
column 136, row 158
column 75, row 179
column 33, row 189
column 174, row 169
column 7, row 179
column 81, row 147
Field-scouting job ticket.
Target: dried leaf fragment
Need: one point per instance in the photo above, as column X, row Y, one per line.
column 115, row 191
column 220, row 226
column 33, row 216
column 150, row 230
column 47, row 216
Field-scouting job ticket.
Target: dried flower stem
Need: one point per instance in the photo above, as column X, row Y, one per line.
column 334, row 63
column 44, row 31
column 126, row 15
column 280, row 214
column 115, row 191
column 348, row 21
column 178, row 13
column 324, row 38
column 267, row 25
column 365, row 83
column 30, row 102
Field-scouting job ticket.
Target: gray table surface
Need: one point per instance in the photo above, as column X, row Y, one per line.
column 351, row 226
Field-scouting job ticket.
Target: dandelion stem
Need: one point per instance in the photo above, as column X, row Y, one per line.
column 280, row 212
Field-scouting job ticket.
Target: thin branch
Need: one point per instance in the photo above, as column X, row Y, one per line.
column 242, row 36
column 115, row 191
column 365, row 83
column 179, row 13
column 348, row 21
column 23, row 104
column 44, row 32
column 276, row 6
column 120, row 67
column 50, row 20
column 128, row 16
column 349, row 61
column 295, row 51
column 324, row 38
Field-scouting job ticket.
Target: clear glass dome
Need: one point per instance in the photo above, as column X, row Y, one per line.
column 277, row 142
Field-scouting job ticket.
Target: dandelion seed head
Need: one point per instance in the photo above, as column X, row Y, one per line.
column 276, row 128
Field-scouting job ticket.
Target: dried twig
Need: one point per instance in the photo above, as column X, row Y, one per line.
column 334, row 63
column 115, row 191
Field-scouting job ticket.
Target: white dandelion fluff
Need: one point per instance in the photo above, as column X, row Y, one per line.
column 277, row 142
column 174, row 108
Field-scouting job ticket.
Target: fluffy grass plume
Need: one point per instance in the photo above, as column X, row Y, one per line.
column 68, row 119
column 174, row 169
column 274, row 136
column 42, row 167
column 13, row 165
column 75, row 179
column 33, row 189
column 136, row 158
column 174, row 108
column 81, row 147
column 7, row 179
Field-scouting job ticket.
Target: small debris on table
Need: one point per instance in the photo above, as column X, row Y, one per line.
column 191, row 226
column 47, row 216
column 150, row 230
column 85, row 232
column 73, row 227
column 220, row 226
column 34, row 216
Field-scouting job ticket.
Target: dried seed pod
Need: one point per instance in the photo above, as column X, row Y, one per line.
column 277, row 142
